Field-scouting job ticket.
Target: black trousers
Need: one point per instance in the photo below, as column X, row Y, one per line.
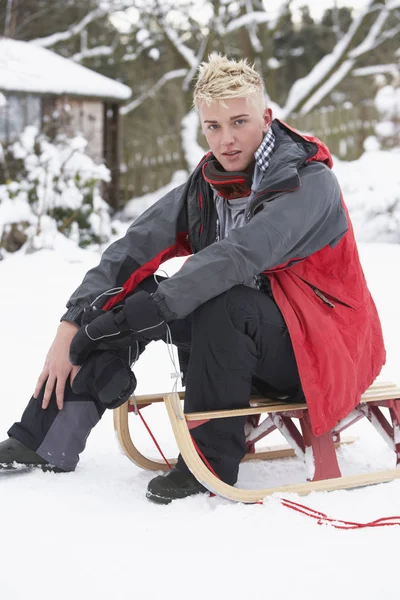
column 238, row 343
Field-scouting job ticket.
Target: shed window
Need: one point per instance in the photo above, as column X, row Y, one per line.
column 16, row 113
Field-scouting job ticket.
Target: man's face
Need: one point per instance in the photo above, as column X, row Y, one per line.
column 234, row 131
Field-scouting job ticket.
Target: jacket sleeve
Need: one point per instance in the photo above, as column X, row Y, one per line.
column 158, row 234
column 292, row 226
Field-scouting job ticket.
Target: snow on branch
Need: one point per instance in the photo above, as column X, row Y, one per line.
column 92, row 52
column 306, row 88
column 367, row 44
column 343, row 60
column 248, row 19
column 199, row 58
column 183, row 50
column 386, row 35
column 149, row 93
column 53, row 39
column 135, row 55
column 328, row 86
column 252, row 29
column 392, row 68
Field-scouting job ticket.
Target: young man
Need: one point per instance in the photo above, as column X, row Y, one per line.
column 272, row 298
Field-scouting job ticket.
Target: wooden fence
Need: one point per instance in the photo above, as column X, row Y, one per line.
column 343, row 129
column 148, row 163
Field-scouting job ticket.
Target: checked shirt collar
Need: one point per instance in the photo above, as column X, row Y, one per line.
column 264, row 152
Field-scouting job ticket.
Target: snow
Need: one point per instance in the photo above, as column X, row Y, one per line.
column 387, row 101
column 92, row 533
column 25, row 67
column 385, row 128
column 371, row 187
column 154, row 53
column 190, row 128
column 137, row 206
column 391, row 68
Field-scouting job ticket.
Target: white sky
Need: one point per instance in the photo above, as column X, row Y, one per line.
column 317, row 7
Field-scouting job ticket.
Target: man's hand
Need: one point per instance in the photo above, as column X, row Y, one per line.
column 57, row 367
column 137, row 320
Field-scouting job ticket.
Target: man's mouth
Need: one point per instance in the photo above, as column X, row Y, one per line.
column 232, row 153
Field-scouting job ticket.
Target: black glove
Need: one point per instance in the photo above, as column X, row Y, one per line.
column 137, row 320
column 106, row 377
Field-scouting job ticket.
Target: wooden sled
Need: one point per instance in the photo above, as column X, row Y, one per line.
column 318, row 453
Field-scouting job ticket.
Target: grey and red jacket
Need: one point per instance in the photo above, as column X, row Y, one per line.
column 298, row 235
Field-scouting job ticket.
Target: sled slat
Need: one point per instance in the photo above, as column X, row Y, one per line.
column 257, row 409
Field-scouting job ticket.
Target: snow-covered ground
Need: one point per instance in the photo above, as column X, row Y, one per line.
column 92, row 533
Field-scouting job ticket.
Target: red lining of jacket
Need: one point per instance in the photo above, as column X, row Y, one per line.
column 181, row 248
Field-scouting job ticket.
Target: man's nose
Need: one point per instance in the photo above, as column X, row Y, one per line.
column 227, row 138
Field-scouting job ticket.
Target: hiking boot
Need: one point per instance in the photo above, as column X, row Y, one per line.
column 14, row 454
column 174, row 485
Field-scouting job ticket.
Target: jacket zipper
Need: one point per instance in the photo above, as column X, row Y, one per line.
column 324, row 299
column 255, row 204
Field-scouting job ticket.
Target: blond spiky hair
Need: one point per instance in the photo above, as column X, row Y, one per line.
column 221, row 78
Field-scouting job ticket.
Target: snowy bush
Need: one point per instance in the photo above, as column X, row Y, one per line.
column 387, row 102
column 50, row 188
column 371, row 189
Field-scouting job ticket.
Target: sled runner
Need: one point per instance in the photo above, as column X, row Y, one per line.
column 318, row 453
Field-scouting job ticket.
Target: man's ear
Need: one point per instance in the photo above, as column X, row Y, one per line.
column 267, row 116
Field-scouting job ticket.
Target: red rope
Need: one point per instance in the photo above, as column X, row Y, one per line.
column 321, row 518
column 153, row 438
column 203, row 458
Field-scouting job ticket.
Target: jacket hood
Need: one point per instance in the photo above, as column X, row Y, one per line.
column 321, row 154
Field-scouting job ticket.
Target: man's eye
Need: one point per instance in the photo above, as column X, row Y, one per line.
column 212, row 127
column 240, row 121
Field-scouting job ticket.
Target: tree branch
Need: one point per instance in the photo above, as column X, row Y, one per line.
column 373, row 33
column 92, row 52
column 149, row 93
column 386, row 35
column 310, row 90
column 248, row 19
column 148, row 43
column 183, row 50
column 252, row 29
column 199, row 58
column 391, row 68
column 61, row 36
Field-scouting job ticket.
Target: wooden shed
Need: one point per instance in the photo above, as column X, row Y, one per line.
column 35, row 82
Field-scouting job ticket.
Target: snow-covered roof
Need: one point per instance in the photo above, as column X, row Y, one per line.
column 25, row 67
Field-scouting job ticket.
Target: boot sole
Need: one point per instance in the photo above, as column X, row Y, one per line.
column 157, row 499
column 15, row 467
